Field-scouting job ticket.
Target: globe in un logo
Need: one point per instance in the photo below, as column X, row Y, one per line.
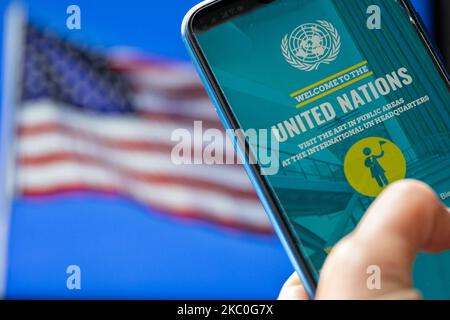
column 310, row 45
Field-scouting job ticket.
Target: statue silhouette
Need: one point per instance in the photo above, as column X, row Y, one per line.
column 376, row 170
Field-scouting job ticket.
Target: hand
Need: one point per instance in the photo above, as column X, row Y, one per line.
column 404, row 220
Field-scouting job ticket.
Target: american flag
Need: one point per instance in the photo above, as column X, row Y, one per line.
column 96, row 123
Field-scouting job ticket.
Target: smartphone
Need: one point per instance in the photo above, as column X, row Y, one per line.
column 345, row 97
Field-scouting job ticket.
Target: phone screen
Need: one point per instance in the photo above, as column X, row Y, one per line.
column 352, row 101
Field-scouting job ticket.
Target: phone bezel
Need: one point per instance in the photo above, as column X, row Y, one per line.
column 267, row 197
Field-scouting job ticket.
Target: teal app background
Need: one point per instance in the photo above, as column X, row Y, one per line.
column 321, row 206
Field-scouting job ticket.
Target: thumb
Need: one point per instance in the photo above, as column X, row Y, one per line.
column 404, row 220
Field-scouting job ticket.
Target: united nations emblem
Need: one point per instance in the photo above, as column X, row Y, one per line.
column 310, row 45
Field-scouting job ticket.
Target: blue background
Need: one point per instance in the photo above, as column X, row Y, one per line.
column 123, row 250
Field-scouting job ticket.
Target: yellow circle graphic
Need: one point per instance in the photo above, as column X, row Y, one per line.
column 373, row 163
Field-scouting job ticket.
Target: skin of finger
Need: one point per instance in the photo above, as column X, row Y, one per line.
column 293, row 289
column 345, row 273
column 409, row 209
column 293, row 293
column 394, row 229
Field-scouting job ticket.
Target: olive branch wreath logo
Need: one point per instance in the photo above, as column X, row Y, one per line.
column 293, row 61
